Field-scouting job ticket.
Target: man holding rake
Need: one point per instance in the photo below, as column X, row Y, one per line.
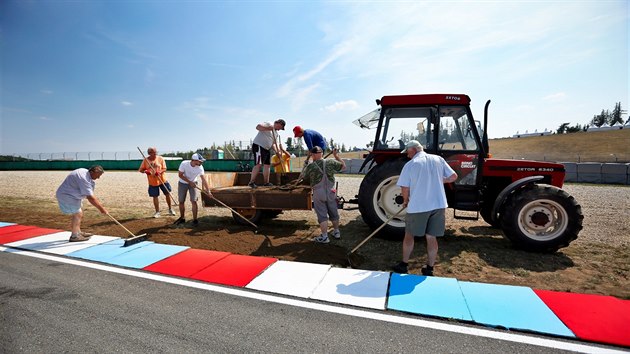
column 155, row 167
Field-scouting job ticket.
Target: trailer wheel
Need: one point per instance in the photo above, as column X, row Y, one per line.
column 252, row 215
column 380, row 198
column 541, row 218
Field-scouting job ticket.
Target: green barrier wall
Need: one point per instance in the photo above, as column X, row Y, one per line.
column 172, row 165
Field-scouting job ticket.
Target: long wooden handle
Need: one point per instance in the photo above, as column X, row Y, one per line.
column 377, row 230
column 121, row 225
column 225, row 205
column 279, row 155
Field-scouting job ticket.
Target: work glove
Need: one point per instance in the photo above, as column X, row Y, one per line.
column 148, row 172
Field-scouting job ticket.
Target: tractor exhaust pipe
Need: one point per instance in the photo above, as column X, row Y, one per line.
column 484, row 139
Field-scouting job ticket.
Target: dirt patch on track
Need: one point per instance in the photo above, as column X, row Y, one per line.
column 597, row 262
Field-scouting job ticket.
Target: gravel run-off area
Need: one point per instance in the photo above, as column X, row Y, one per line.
column 597, row 262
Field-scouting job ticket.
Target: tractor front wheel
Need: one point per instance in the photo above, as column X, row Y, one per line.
column 380, row 198
column 541, row 218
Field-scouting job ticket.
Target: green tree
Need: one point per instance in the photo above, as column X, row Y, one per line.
column 562, row 128
column 600, row 119
column 615, row 116
column 574, row 129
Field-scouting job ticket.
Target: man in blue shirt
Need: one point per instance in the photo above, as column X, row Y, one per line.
column 310, row 137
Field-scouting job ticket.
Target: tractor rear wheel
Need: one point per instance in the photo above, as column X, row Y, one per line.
column 541, row 218
column 380, row 198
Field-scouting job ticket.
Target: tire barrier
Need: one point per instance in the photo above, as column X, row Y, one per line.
column 596, row 172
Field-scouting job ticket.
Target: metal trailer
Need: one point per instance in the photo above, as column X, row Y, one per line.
column 255, row 203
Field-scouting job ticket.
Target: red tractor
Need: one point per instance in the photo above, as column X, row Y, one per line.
column 523, row 198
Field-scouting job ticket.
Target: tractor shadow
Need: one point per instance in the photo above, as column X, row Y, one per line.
column 473, row 246
column 490, row 246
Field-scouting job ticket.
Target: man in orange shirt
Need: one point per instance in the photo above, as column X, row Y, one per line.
column 155, row 167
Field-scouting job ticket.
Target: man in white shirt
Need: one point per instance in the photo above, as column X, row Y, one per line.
column 79, row 185
column 189, row 172
column 422, row 186
column 264, row 140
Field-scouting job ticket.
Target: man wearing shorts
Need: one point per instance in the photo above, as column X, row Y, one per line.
column 321, row 176
column 264, row 140
column 155, row 168
column 189, row 172
column 78, row 185
column 421, row 182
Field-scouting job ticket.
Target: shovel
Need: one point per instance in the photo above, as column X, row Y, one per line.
column 353, row 263
column 133, row 239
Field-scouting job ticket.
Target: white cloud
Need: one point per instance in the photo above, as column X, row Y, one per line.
column 555, row 97
column 44, row 118
column 300, row 86
column 46, row 92
column 130, row 126
column 196, row 104
column 149, row 76
column 202, row 109
column 126, row 103
column 348, row 105
column 301, row 96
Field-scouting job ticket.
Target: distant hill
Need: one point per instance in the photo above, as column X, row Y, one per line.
column 602, row 146
column 597, row 146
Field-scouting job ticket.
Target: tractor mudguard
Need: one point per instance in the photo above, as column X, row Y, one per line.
column 368, row 159
column 508, row 190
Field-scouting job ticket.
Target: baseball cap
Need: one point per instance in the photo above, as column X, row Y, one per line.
column 297, row 130
column 316, row 150
column 412, row 144
column 197, row 157
column 282, row 122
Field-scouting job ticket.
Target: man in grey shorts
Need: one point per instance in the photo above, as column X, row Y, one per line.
column 79, row 185
column 321, row 176
column 190, row 171
column 422, row 187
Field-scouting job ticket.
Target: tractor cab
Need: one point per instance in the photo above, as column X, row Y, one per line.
column 444, row 125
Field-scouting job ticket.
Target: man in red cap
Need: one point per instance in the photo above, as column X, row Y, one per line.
column 310, row 137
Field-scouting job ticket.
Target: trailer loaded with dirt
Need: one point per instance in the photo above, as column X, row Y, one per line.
column 254, row 204
column 523, row 198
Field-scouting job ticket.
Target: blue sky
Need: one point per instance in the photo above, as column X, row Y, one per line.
column 80, row 76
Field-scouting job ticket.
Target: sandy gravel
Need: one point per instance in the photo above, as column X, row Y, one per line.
column 606, row 208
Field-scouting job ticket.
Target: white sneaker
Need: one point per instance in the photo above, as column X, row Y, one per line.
column 156, row 215
column 336, row 234
column 321, row 239
column 171, row 212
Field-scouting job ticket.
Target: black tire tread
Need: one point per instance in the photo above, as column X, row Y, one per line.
column 509, row 216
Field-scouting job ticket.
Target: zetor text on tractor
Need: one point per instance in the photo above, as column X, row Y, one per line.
column 523, row 198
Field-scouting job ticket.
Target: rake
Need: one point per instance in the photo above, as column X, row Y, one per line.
column 134, row 238
column 354, row 263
